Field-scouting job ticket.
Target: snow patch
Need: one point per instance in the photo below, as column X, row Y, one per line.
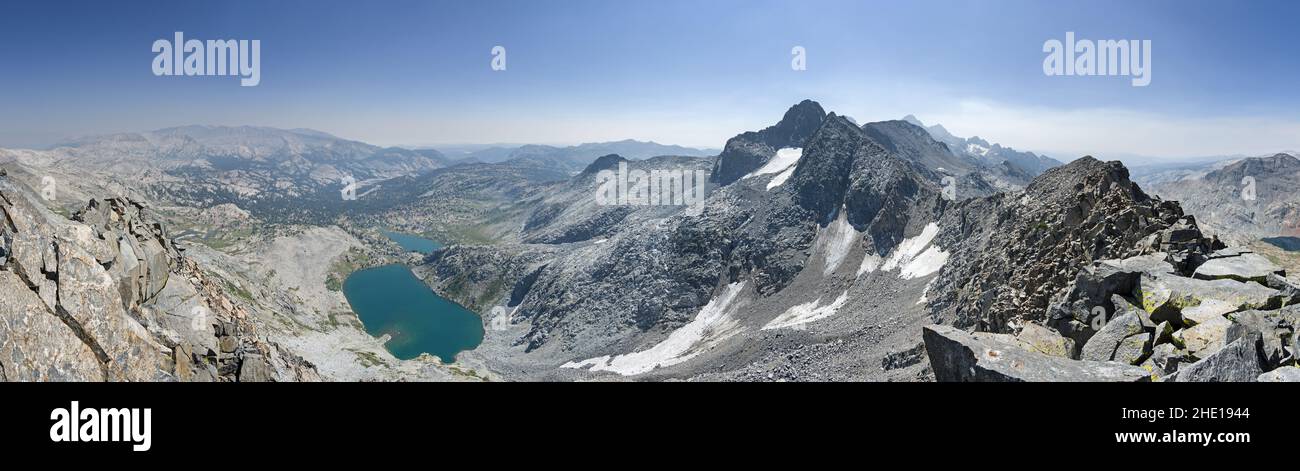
column 780, row 179
column 869, row 264
column 910, row 247
column 784, row 158
column 782, row 164
column 835, row 242
column 914, row 257
column 930, row 261
column 807, row 312
column 977, row 149
column 711, row 325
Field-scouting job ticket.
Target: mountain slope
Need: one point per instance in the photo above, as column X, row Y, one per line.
column 831, row 273
column 664, row 293
column 1240, row 212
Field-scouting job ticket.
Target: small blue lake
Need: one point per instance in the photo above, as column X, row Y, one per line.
column 390, row 300
column 413, row 243
column 1289, row 244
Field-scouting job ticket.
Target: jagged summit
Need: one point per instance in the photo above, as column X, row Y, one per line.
column 749, row 151
column 798, row 123
column 1025, row 249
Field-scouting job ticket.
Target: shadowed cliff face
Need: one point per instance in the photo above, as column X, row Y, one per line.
column 105, row 296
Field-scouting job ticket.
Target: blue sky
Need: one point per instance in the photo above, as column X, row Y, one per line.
column 1224, row 74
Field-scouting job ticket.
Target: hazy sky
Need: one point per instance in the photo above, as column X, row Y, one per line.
column 1224, row 74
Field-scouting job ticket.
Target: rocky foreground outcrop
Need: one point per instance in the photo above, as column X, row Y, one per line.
column 957, row 355
column 1232, row 319
column 106, row 296
column 1016, row 251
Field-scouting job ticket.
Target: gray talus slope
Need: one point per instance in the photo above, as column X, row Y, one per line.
column 1202, row 315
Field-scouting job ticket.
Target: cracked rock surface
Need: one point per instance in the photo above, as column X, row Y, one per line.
column 104, row 295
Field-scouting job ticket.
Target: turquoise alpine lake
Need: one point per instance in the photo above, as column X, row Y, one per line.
column 390, row 300
column 413, row 243
column 1289, row 244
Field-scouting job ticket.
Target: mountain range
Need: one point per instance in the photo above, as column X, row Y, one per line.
column 824, row 250
column 577, row 156
column 982, row 150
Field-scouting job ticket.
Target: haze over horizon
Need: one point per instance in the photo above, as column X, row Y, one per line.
column 676, row 72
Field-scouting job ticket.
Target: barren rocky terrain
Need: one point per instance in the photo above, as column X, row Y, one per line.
column 823, row 250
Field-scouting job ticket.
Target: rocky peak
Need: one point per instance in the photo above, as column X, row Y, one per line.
column 798, row 124
column 941, row 133
column 843, row 167
column 1083, row 181
column 901, row 127
column 749, row 151
column 821, row 178
column 1017, row 252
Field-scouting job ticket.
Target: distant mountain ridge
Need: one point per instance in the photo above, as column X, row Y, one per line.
column 1240, row 200
column 579, row 156
column 981, row 149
